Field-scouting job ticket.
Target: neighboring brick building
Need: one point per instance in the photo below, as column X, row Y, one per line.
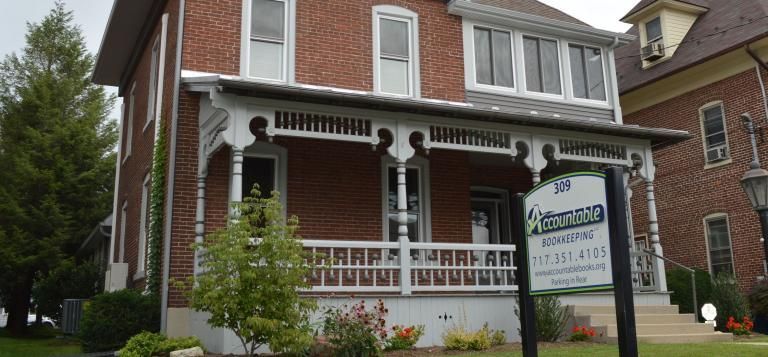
column 372, row 118
column 708, row 67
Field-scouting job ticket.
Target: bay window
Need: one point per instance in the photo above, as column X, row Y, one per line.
column 542, row 65
column 587, row 76
column 493, row 57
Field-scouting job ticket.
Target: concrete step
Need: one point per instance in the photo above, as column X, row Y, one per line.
column 610, row 319
column 664, row 329
column 611, row 310
column 687, row 338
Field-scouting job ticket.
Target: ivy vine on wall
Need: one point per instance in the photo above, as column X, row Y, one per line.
column 157, row 213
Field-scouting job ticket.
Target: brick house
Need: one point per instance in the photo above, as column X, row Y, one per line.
column 702, row 65
column 383, row 124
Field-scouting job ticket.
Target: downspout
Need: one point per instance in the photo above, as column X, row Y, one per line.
column 117, row 185
column 171, row 171
column 617, row 117
column 759, row 64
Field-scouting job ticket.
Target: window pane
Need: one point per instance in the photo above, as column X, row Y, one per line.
column 483, row 65
column 550, row 66
column 413, row 227
column 579, row 78
column 653, row 29
column 714, row 128
column 413, row 203
column 532, row 76
column 267, row 19
column 258, row 170
column 595, row 72
column 394, row 37
column 394, row 76
column 502, row 59
column 715, row 140
column 718, row 234
column 266, row 60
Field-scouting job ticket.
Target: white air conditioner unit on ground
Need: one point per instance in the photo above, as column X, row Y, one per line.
column 717, row 154
column 116, row 277
column 653, row 51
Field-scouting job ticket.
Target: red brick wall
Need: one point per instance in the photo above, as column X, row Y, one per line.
column 686, row 192
column 333, row 43
column 138, row 164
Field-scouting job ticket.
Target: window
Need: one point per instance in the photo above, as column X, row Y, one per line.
column 153, row 82
column 396, row 50
column 123, row 217
column 542, row 65
column 141, row 261
column 587, row 75
column 653, row 31
column 261, row 171
column 719, row 241
column 129, row 123
column 715, row 138
column 493, row 57
column 267, row 49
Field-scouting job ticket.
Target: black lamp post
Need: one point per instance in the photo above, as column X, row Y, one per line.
column 755, row 184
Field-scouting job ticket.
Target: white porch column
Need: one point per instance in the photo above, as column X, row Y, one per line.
column 653, row 232
column 535, row 177
column 402, row 230
column 236, row 193
column 199, row 219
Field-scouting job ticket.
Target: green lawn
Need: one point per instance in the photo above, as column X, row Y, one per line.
column 37, row 347
column 693, row 350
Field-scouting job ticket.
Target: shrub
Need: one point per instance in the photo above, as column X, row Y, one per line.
column 582, row 333
column 758, row 298
column 111, row 318
column 459, row 339
column 550, row 316
column 743, row 328
column 727, row 299
column 679, row 282
column 68, row 280
column 404, row 338
column 355, row 331
column 154, row 344
column 251, row 287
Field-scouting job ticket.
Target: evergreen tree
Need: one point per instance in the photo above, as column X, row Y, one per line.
column 56, row 156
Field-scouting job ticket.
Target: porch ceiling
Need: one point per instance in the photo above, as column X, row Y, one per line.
column 366, row 100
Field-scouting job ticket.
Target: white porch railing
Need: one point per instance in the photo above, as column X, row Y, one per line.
column 363, row 266
column 643, row 271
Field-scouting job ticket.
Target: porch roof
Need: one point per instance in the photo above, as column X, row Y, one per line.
column 204, row 82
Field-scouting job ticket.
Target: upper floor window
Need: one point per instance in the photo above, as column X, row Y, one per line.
column 268, row 42
column 714, row 132
column 653, row 32
column 141, row 260
column 719, row 242
column 129, row 123
column 153, row 80
column 542, row 65
column 395, row 51
column 587, row 76
column 493, row 57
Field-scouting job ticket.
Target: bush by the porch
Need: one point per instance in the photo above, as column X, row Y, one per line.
column 727, row 298
column 251, row 286
column 154, row 344
column 679, row 282
column 551, row 317
column 111, row 318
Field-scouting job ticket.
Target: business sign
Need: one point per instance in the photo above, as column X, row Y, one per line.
column 567, row 236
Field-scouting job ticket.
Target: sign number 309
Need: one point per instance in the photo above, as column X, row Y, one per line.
column 562, row 186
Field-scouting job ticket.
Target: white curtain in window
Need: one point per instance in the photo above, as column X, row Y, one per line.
column 267, row 39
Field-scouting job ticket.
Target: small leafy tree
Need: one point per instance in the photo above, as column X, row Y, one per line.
column 551, row 317
column 251, row 286
column 728, row 300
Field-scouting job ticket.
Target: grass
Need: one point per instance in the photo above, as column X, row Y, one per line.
column 672, row 350
column 36, row 346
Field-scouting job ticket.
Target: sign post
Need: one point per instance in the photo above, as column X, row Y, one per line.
column 574, row 238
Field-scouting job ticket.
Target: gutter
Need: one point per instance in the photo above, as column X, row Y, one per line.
column 116, row 189
column 360, row 99
column 617, row 115
column 171, row 171
column 759, row 64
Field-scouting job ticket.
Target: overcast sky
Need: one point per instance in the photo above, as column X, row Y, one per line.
column 92, row 16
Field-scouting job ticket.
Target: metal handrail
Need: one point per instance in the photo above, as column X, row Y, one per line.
column 693, row 281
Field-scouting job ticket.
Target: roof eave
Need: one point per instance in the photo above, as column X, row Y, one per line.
column 633, row 16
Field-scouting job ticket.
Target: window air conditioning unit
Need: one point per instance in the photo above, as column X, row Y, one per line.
column 717, row 154
column 653, row 51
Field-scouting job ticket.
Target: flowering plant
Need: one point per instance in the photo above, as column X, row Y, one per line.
column 404, row 338
column 742, row 328
column 355, row 330
column 582, row 333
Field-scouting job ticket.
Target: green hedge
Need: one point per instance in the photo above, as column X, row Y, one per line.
column 110, row 319
column 679, row 282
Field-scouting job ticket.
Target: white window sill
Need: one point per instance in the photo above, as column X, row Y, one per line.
column 712, row 165
column 139, row 275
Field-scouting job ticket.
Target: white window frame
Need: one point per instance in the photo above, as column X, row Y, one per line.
column 569, row 75
column 141, row 249
column 129, row 123
column 153, row 83
column 397, row 13
column 561, row 62
column 702, row 109
column 425, row 212
column 713, row 217
column 280, row 155
column 471, row 67
column 123, row 218
column 289, row 44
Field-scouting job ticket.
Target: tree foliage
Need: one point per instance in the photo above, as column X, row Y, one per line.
column 68, row 280
column 252, row 287
column 56, row 156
